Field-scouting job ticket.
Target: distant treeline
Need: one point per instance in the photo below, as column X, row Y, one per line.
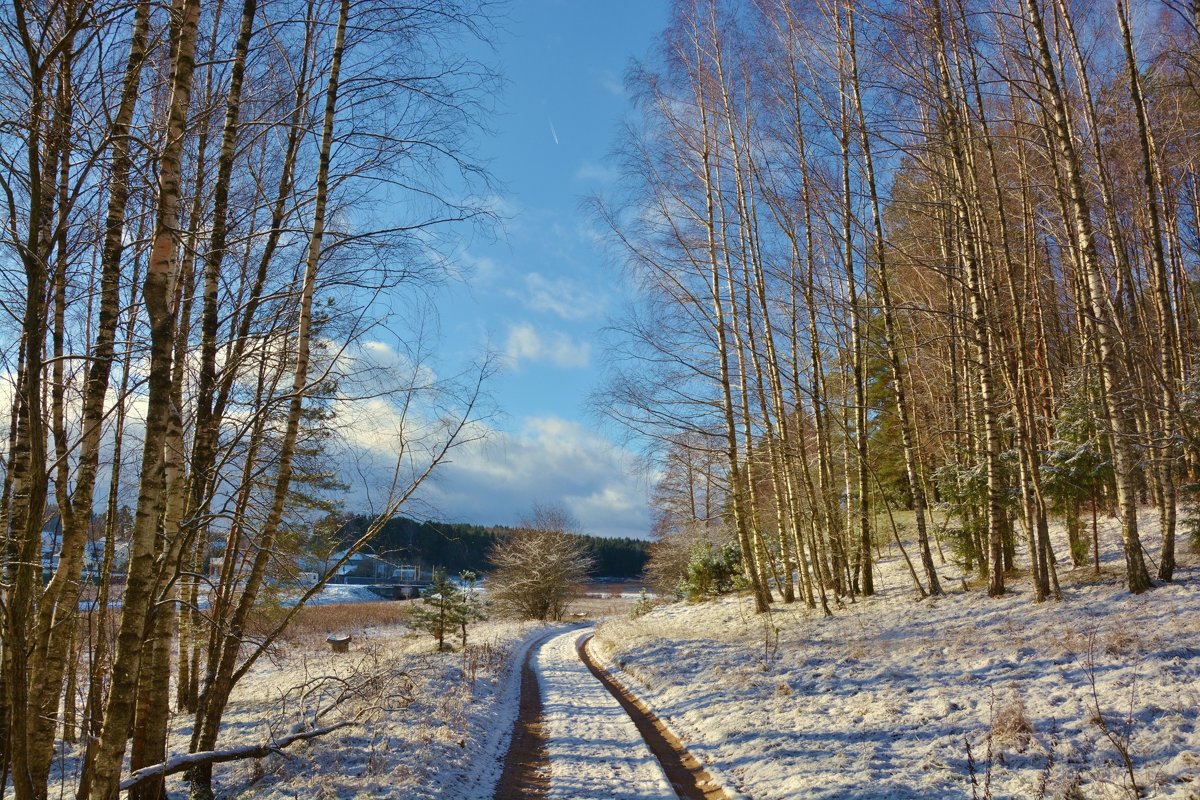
column 456, row 546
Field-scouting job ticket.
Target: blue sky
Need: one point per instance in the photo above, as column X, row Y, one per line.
column 541, row 292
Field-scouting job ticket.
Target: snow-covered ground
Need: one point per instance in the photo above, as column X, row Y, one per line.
column 342, row 593
column 882, row 699
column 425, row 725
column 959, row 697
column 431, row 726
column 594, row 749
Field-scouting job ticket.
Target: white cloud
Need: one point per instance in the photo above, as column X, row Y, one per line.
column 600, row 173
column 495, row 477
column 502, row 206
column 561, row 296
column 548, row 460
column 610, row 82
column 525, row 343
column 467, row 266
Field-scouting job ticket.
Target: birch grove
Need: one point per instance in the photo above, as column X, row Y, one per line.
column 206, row 210
column 930, row 261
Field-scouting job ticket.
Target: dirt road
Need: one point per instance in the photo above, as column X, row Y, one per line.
column 581, row 735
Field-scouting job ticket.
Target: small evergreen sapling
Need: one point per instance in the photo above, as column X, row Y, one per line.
column 643, row 606
column 445, row 606
column 471, row 607
column 713, row 571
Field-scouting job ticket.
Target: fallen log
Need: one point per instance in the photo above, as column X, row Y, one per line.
column 182, row 763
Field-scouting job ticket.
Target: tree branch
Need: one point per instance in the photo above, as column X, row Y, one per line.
column 186, row 761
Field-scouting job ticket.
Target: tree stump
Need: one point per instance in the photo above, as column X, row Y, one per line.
column 339, row 644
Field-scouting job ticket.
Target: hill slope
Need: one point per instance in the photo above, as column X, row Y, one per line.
column 882, row 699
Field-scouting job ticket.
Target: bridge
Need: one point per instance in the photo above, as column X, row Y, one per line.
column 399, row 591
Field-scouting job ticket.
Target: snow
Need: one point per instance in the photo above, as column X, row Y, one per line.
column 426, row 725
column 343, row 593
column 880, row 700
column 890, row 697
column 448, row 739
column 594, row 749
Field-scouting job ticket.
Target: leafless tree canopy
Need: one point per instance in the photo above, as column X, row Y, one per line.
column 206, row 212
column 899, row 256
column 538, row 566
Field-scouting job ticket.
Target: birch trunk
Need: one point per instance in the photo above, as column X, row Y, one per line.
column 891, row 337
column 215, row 695
column 157, row 296
column 1121, row 426
column 1160, row 281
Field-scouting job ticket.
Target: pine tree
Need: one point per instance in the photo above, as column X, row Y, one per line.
column 446, row 606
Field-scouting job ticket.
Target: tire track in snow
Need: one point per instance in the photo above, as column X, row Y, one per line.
column 526, row 773
column 581, row 735
column 595, row 750
column 687, row 776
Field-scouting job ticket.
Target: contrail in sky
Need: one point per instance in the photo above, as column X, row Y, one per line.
column 553, row 132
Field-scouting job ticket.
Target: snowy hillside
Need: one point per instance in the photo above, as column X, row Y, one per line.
column 882, row 699
column 962, row 696
column 425, row 725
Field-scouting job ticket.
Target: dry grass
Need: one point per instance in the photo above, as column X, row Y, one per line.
column 1010, row 724
column 1122, row 642
column 351, row 618
column 599, row 608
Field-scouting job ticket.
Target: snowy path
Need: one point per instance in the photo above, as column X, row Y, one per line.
column 594, row 749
